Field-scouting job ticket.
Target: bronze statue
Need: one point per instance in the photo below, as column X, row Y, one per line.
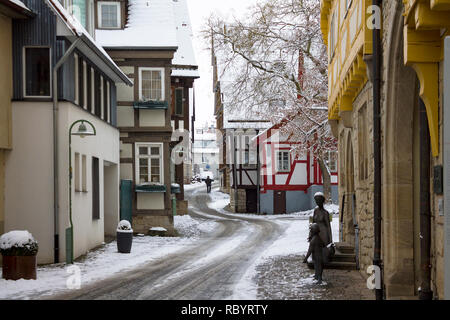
column 316, row 249
column 322, row 218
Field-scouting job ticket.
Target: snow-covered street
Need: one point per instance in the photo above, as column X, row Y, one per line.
column 217, row 255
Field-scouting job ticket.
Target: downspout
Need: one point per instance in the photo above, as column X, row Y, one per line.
column 425, row 292
column 258, row 175
column 235, row 173
column 376, row 43
column 55, row 149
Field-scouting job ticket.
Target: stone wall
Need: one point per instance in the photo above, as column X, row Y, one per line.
column 241, row 201
column 142, row 223
column 352, row 184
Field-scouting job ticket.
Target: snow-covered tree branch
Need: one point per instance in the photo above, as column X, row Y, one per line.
column 274, row 64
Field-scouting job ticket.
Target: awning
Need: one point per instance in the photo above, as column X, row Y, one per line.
column 150, row 188
column 164, row 105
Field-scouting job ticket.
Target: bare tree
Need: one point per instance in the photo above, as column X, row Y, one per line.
column 275, row 65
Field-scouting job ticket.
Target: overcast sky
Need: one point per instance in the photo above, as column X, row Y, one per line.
column 200, row 10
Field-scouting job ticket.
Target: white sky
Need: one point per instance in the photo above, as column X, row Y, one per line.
column 199, row 11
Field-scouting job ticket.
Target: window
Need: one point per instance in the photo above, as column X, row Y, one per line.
column 83, row 174
column 97, row 94
column 149, row 164
column 76, row 73
column 333, row 30
column 105, row 100
column 331, row 161
column 179, row 101
column 77, row 172
column 283, row 161
column 109, row 15
column 81, row 82
column 95, row 189
column 151, row 84
column 363, row 157
column 37, row 81
column 88, row 88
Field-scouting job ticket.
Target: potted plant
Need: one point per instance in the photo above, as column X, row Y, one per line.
column 124, row 236
column 19, row 250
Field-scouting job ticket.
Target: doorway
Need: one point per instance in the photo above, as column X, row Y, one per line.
column 279, row 202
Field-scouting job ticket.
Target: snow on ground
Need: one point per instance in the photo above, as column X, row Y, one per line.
column 195, row 185
column 292, row 241
column 106, row 261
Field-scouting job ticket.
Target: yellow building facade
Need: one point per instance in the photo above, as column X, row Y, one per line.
column 412, row 38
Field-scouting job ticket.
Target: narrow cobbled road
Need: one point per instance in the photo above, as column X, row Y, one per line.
column 208, row 270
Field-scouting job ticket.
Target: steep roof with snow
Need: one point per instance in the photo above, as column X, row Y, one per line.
column 184, row 56
column 151, row 25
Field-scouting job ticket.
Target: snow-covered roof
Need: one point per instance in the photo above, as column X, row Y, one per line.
column 151, row 24
column 240, row 118
column 19, row 4
column 184, row 56
column 89, row 44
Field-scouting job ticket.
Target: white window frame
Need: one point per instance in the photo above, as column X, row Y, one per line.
column 163, row 81
column 278, row 163
column 161, row 161
column 24, row 68
column 99, row 13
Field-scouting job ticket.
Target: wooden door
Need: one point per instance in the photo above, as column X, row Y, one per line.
column 251, row 199
column 279, row 202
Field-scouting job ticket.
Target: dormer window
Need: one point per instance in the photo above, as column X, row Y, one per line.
column 109, row 15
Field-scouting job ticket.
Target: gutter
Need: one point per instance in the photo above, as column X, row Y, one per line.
column 376, row 86
column 55, row 148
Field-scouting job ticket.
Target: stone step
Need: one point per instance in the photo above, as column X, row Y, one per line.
column 344, row 248
column 342, row 265
column 344, row 257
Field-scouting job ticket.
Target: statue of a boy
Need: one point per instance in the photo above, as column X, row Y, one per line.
column 316, row 249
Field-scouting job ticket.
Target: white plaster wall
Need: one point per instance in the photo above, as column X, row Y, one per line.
column 29, row 175
column 125, row 116
column 126, row 150
column 88, row 233
column 299, row 176
column 124, row 92
column 152, row 118
column 126, row 171
column 150, row 201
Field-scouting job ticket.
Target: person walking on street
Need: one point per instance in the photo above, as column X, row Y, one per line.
column 208, row 182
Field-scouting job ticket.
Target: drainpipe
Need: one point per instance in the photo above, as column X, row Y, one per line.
column 235, row 173
column 258, row 175
column 425, row 292
column 377, row 150
column 55, row 149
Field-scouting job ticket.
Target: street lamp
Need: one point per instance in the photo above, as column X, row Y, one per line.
column 81, row 132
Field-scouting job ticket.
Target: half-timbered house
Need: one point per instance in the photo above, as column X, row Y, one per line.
column 142, row 38
column 289, row 180
column 184, row 72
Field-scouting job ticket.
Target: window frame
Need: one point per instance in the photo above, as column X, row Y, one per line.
column 24, row 71
column 163, row 80
column 182, row 101
column 277, row 163
column 329, row 157
column 137, row 157
column 99, row 14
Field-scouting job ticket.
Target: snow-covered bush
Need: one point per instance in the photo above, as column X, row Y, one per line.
column 124, row 226
column 18, row 243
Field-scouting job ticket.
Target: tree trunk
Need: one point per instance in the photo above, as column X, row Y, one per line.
column 326, row 177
